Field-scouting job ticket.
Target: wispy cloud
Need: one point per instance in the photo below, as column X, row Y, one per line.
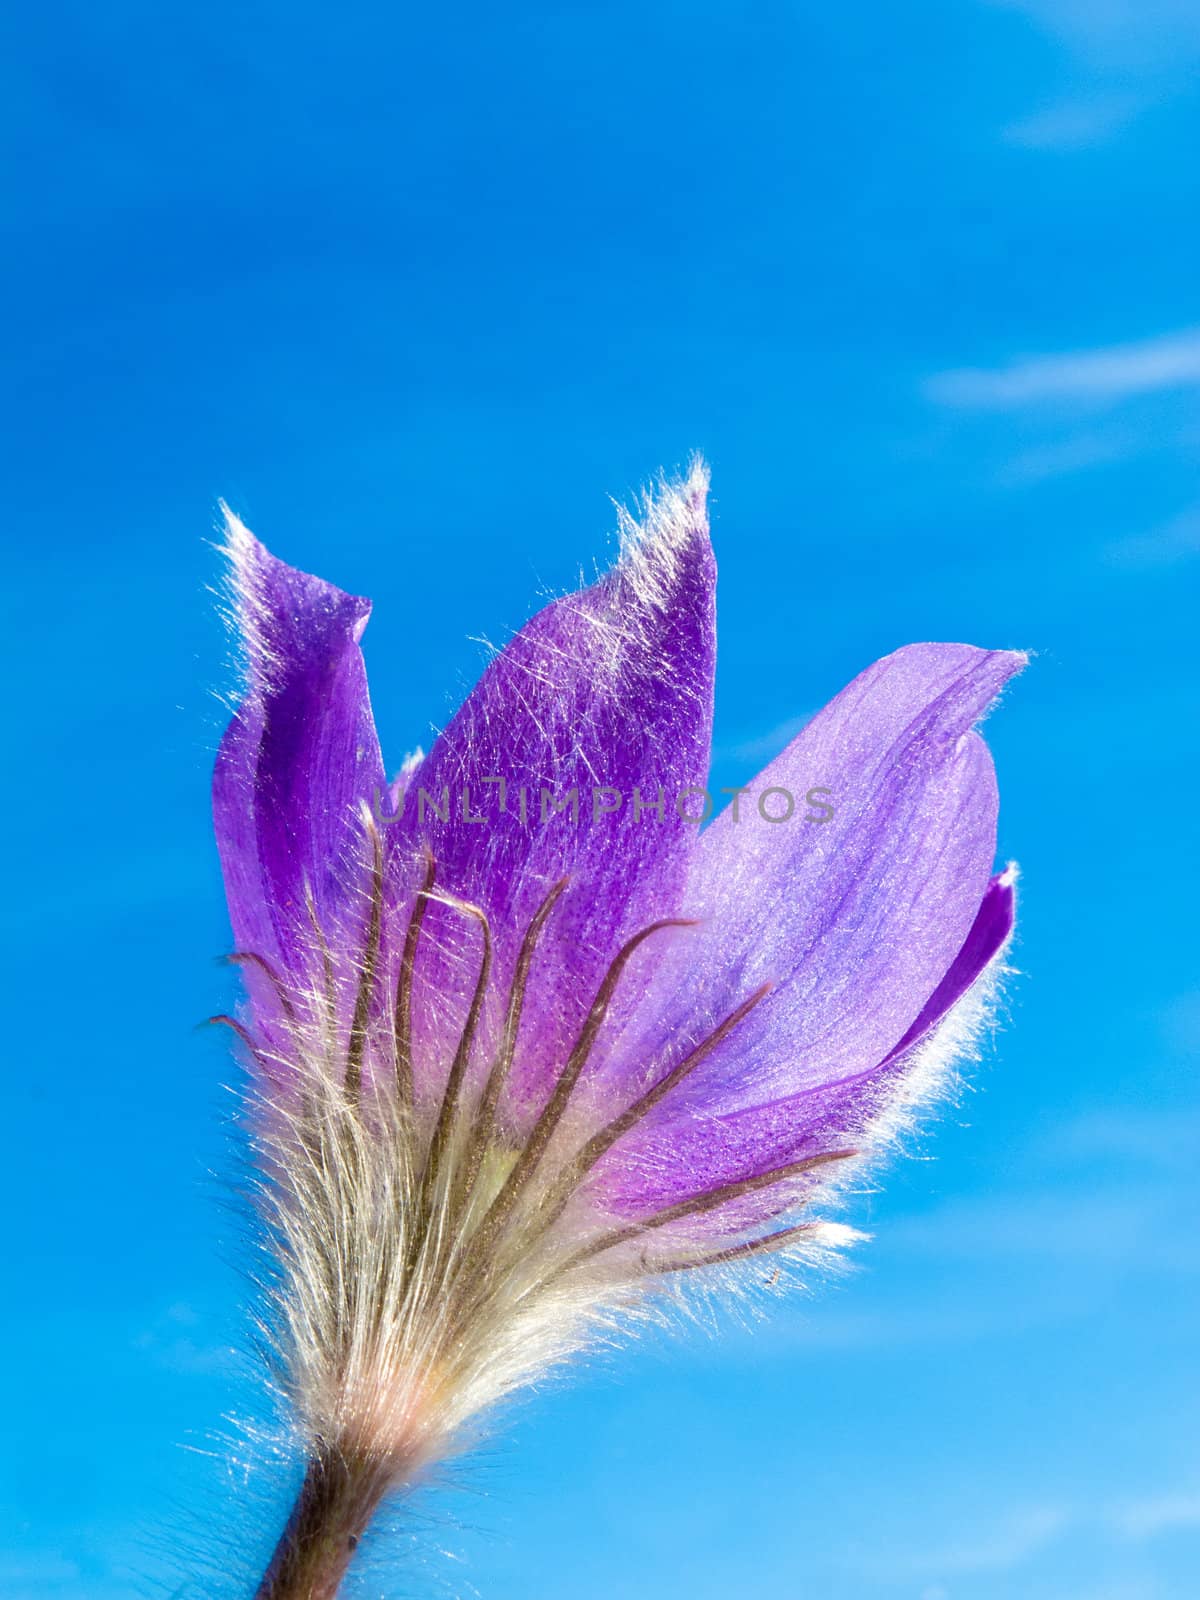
column 174, row 1340
column 1181, row 1017
column 1176, row 540
column 1060, row 457
column 1074, row 124
column 1158, row 1138
column 758, row 749
column 1146, row 1519
column 1116, row 1224
column 1112, row 373
column 1112, row 33
column 1108, row 46
column 1010, row 1543
column 1013, row 1539
column 36, row 1569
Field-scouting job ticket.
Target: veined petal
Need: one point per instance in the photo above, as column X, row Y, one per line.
column 990, row 932
column 854, row 922
column 703, row 1149
column 297, row 761
column 604, row 694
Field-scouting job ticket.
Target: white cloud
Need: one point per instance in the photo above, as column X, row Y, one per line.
column 1074, row 124
column 1176, row 540
column 1011, row 1543
column 1120, row 57
column 1006, row 1541
column 1129, row 33
column 1109, row 374
column 1181, row 1023
column 1167, row 1513
column 174, row 1341
column 1062, row 456
column 1158, row 1138
column 1018, row 1537
column 760, row 748
column 1070, row 1234
column 1009, row 1546
column 35, row 1568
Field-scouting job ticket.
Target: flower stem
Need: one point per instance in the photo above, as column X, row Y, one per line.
column 337, row 1500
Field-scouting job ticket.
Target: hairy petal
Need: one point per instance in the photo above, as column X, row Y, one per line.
column 989, row 934
column 297, row 761
column 702, row 1148
column 862, row 925
column 603, row 692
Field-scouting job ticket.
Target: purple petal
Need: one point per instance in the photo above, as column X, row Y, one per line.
column 602, row 693
column 990, row 932
column 856, row 922
column 687, row 1155
column 298, row 759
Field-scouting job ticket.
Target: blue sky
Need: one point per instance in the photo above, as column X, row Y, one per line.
column 417, row 293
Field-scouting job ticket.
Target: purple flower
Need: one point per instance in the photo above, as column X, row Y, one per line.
column 527, row 1042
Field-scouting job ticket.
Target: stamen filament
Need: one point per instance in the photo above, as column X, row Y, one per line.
column 602, row 1141
column 458, row 1068
column 248, row 958
column 370, row 960
column 224, row 1020
column 485, row 1116
column 404, row 988
column 535, row 1146
column 310, row 905
column 697, row 1204
column 765, row 1244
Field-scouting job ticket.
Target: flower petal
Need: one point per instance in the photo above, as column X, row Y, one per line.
column 990, row 932
column 298, row 759
column 856, row 922
column 700, row 1151
column 604, row 693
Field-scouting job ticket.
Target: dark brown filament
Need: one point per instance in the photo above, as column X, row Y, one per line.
column 458, row 1067
column 223, row 1020
column 697, row 1204
column 248, row 958
column 370, row 961
column 326, row 961
column 485, row 1116
column 765, row 1244
column 535, row 1146
column 404, row 988
column 602, row 1141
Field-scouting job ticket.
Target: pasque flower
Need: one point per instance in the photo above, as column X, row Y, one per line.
column 528, row 1048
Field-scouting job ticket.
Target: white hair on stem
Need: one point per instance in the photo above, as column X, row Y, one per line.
column 425, row 1267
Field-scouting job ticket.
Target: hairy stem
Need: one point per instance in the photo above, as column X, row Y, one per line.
column 337, row 1500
